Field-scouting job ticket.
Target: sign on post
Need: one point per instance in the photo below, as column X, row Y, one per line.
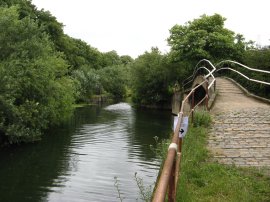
column 184, row 125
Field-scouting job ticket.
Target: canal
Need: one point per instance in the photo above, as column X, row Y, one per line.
column 81, row 160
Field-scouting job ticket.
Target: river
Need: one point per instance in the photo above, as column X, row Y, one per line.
column 81, row 160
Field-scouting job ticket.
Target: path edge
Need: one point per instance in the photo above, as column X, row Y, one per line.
column 265, row 100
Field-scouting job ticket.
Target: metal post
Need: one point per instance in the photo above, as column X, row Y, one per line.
column 160, row 192
column 192, row 106
column 177, row 170
column 172, row 188
column 207, row 96
column 162, row 186
column 180, row 145
column 178, row 159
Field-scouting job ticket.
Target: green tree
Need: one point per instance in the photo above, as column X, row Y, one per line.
column 206, row 38
column 150, row 81
column 79, row 54
column 50, row 25
column 126, row 59
column 113, row 80
column 111, row 58
column 26, row 8
column 35, row 90
column 87, row 83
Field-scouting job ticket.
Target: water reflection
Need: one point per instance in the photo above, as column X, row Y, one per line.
column 79, row 161
column 27, row 172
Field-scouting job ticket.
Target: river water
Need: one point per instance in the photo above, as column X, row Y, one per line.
column 81, row 160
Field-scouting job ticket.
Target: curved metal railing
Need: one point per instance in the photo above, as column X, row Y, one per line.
column 169, row 176
column 196, row 70
column 249, row 68
column 229, row 62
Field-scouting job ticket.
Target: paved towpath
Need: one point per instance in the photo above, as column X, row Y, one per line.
column 240, row 132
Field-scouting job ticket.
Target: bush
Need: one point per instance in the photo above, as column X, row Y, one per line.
column 150, row 83
column 202, row 118
column 113, row 80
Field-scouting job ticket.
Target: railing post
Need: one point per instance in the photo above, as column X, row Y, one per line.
column 172, row 185
column 167, row 182
column 192, row 106
column 178, row 159
column 207, row 95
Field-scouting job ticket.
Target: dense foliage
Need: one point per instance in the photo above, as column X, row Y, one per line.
column 150, row 78
column 44, row 71
column 113, row 80
column 34, row 88
column 206, row 38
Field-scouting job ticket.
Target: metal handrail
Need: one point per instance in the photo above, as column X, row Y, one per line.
column 241, row 74
column 205, row 97
column 209, row 74
column 246, row 77
column 170, row 166
column 196, row 69
column 249, row 68
column 169, row 175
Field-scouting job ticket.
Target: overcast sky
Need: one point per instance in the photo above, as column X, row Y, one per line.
column 132, row 27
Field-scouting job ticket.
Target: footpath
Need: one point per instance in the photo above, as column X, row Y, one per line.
column 240, row 133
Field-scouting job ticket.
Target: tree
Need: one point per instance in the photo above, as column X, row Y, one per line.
column 79, row 54
column 150, row 78
column 87, row 83
column 50, row 25
column 206, row 38
column 35, row 90
column 113, row 80
column 126, row 59
column 110, row 58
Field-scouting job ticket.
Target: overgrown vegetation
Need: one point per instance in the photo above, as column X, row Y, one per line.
column 144, row 193
column 204, row 180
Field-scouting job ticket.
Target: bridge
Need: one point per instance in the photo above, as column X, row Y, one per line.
column 240, row 132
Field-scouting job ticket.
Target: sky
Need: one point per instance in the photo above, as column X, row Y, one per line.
column 131, row 27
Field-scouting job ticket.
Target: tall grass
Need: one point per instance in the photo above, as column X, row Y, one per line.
column 202, row 119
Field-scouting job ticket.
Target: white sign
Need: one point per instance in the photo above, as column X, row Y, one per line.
column 184, row 125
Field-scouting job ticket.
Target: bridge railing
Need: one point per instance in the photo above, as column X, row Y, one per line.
column 201, row 65
column 169, row 177
column 170, row 173
column 221, row 66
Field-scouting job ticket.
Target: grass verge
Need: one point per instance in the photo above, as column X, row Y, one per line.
column 204, row 180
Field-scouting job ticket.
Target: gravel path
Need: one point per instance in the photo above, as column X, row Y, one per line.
column 240, row 132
